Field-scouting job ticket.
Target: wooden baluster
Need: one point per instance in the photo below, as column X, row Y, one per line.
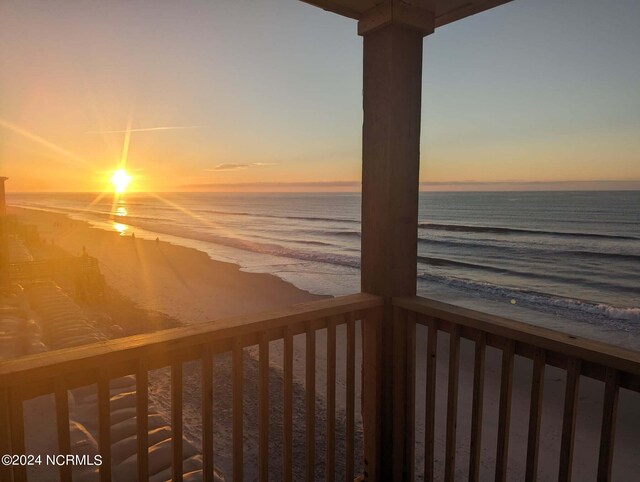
column 62, row 421
column 535, row 415
column 238, row 412
column 17, row 434
column 142, row 418
column 476, row 407
column 452, row 403
column 207, row 414
column 608, row 432
column 310, row 409
column 176, row 420
column 263, row 429
column 410, row 398
column 430, row 398
column 287, row 426
column 371, row 391
column 569, row 419
column 5, row 433
column 351, row 387
column 104, row 424
column 397, row 393
column 504, row 411
column 331, row 400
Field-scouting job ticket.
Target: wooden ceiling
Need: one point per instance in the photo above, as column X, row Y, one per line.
column 445, row 11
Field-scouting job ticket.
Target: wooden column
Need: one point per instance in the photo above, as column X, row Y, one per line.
column 390, row 167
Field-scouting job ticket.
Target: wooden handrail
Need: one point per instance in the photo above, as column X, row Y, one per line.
column 617, row 367
column 555, row 341
column 44, row 366
column 60, row 371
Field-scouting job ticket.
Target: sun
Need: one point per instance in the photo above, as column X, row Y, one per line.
column 120, row 180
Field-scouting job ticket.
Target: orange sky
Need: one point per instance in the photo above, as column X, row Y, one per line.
column 267, row 96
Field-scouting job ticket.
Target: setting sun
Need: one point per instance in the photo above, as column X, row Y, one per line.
column 120, row 180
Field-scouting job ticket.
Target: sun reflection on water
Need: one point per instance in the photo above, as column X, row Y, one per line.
column 120, row 228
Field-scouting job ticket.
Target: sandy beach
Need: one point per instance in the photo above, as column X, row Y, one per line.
column 181, row 282
column 186, row 284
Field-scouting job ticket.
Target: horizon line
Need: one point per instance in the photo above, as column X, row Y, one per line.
column 355, row 186
column 421, row 183
column 8, row 193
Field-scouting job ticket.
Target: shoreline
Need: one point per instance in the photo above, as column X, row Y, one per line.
column 182, row 282
column 612, row 324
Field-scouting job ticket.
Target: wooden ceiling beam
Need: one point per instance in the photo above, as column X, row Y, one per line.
column 398, row 13
column 413, row 13
column 335, row 7
column 466, row 11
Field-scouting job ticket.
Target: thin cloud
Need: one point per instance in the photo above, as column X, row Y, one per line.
column 237, row 167
column 147, row 129
column 228, row 167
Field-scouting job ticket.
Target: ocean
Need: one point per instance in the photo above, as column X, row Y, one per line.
column 566, row 260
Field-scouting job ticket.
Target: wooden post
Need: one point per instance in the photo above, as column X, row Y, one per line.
column 390, row 167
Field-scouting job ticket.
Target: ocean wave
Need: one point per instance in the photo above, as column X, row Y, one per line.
column 275, row 216
column 348, row 234
column 597, row 254
column 310, row 242
column 529, row 249
column 567, row 307
column 153, row 225
column 84, row 210
column 601, row 314
column 257, row 247
column 531, row 275
column 433, row 261
column 501, row 230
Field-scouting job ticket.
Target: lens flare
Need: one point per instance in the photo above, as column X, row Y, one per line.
column 120, row 180
column 120, row 228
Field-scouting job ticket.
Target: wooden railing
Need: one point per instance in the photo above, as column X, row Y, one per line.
column 473, row 341
column 59, row 372
column 616, row 367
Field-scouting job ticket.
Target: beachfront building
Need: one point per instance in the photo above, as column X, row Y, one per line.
column 386, row 320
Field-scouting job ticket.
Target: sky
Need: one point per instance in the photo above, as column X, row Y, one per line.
column 267, row 95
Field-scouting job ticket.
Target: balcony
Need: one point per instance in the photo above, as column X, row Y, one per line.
column 397, row 366
column 61, row 374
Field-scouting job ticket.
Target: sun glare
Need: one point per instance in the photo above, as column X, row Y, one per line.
column 120, row 228
column 120, row 180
